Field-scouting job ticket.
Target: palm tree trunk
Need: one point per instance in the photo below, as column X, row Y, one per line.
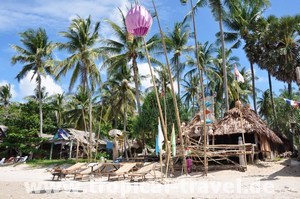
column 290, row 90
column 137, row 92
column 91, row 129
column 136, row 82
column 124, row 129
column 253, row 86
column 272, row 102
column 85, row 129
column 224, row 62
column 178, row 77
column 98, row 136
column 40, row 104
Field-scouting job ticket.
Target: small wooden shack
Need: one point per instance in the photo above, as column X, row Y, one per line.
column 238, row 122
column 75, row 140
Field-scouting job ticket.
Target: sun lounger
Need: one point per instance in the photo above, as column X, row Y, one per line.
column 143, row 171
column 89, row 171
column 124, row 169
column 2, row 161
column 74, row 168
column 21, row 160
column 61, row 172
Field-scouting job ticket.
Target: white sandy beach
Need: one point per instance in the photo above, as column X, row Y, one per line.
column 265, row 180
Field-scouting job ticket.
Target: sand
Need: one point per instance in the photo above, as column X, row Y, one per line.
column 279, row 179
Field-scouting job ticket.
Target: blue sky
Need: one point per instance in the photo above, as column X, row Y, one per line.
column 18, row 15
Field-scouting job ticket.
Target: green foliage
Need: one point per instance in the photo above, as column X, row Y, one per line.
column 23, row 128
column 100, row 155
column 148, row 120
column 104, row 128
column 286, row 113
column 46, row 163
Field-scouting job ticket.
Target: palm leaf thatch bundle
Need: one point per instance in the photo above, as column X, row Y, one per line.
column 244, row 120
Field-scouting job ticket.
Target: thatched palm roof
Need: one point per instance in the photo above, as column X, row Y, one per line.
column 243, row 120
column 235, row 121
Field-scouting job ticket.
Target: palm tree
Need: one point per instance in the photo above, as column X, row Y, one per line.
column 176, row 42
column 218, row 12
column 36, row 55
column 116, row 91
column 242, row 20
column 77, row 109
column 59, row 104
column 214, row 73
column 82, row 36
column 287, row 49
column 119, row 97
column 265, row 106
column 205, row 57
column 5, row 94
column 124, row 50
column 190, row 86
column 38, row 95
column 277, row 50
column 244, row 88
column 162, row 81
column 125, row 102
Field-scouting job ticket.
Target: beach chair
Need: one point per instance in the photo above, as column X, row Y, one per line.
column 124, row 169
column 21, row 160
column 89, row 171
column 2, row 161
column 143, row 171
column 74, row 168
column 62, row 172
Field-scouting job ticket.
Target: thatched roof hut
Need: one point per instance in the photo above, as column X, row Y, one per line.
column 228, row 130
column 243, row 120
column 235, row 121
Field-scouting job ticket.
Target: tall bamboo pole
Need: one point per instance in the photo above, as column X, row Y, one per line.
column 164, row 127
column 172, row 89
column 201, row 69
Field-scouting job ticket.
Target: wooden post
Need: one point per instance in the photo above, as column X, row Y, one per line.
column 241, row 156
column 61, row 146
column 77, row 150
column 161, row 169
column 71, row 148
column 51, row 151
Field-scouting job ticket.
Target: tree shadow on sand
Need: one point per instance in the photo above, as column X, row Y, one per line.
column 291, row 169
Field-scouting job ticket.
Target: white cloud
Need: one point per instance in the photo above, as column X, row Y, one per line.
column 262, row 79
column 12, row 88
column 55, row 14
column 147, row 82
column 145, row 71
column 27, row 85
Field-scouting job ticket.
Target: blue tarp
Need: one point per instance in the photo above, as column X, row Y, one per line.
column 109, row 145
column 61, row 134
